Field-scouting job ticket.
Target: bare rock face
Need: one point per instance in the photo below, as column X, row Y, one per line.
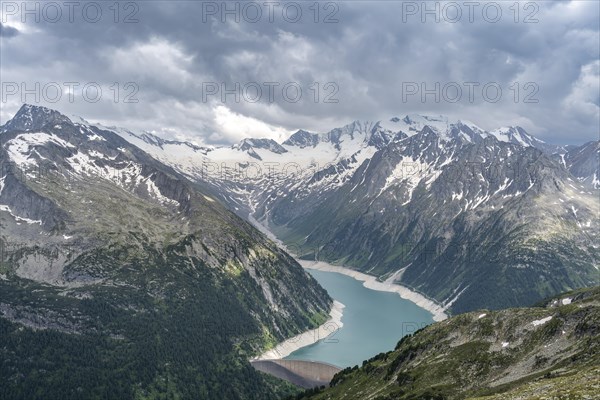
column 584, row 163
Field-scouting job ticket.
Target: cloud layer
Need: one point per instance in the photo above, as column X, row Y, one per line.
column 202, row 72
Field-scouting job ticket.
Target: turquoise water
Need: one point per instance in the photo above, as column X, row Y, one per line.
column 373, row 322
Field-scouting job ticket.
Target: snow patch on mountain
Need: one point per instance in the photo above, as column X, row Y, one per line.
column 542, row 321
column 128, row 176
column 17, row 218
column 20, row 148
column 409, row 174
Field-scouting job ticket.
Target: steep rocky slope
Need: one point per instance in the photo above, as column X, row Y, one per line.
column 125, row 277
column 584, row 163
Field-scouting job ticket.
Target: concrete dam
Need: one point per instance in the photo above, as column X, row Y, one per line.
column 306, row 374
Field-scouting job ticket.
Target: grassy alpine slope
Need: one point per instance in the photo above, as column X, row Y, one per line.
column 551, row 351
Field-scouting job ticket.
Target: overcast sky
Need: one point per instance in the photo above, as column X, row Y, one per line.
column 372, row 59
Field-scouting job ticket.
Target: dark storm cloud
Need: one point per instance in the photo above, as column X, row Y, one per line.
column 369, row 54
column 7, row 31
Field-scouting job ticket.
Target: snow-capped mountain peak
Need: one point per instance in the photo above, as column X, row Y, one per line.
column 412, row 124
column 268, row 144
column 518, row 135
column 437, row 121
column 514, row 134
column 30, row 117
column 302, row 139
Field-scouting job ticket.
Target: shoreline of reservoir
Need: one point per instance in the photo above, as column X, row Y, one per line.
column 307, row 338
column 371, row 282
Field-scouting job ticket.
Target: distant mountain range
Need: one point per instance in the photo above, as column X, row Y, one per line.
column 469, row 217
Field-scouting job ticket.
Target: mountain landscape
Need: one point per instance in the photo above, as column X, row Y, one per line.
column 325, row 200
column 133, row 265
column 120, row 278
column 467, row 217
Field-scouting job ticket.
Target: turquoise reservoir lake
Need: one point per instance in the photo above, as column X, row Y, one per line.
column 373, row 322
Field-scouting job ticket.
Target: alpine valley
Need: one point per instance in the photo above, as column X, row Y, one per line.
column 469, row 218
column 135, row 267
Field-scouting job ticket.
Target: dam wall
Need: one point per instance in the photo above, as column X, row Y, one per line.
column 306, row 374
